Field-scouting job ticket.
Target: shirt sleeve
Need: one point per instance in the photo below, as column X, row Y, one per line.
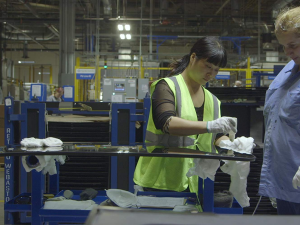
column 163, row 104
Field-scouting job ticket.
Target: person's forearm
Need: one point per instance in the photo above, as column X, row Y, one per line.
column 182, row 127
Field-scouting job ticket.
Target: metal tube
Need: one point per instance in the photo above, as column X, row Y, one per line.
column 124, row 3
column 150, row 36
column 258, row 39
column 140, row 52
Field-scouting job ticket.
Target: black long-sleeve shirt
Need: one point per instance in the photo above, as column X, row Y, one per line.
column 163, row 105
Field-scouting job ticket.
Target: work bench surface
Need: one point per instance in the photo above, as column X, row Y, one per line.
column 108, row 150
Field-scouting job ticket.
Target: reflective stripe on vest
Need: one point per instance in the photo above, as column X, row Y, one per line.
column 216, row 116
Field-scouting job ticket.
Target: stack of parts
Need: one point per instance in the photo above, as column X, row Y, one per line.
column 70, row 128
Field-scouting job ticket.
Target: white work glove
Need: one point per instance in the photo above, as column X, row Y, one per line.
column 296, row 179
column 222, row 125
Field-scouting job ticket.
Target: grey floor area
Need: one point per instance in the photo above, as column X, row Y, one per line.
column 1, row 196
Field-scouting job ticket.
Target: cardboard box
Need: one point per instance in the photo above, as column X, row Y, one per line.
column 2, row 125
column 1, row 111
column 2, row 160
column 2, row 134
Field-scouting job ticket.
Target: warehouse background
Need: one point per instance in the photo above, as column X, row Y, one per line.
column 52, row 36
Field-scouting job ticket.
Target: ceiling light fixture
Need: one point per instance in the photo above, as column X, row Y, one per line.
column 124, row 30
column 120, row 27
column 128, row 36
column 127, row 27
column 122, row 36
column 26, row 62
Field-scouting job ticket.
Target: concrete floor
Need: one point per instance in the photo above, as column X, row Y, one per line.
column 1, row 196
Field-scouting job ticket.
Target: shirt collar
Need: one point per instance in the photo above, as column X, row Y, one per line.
column 291, row 67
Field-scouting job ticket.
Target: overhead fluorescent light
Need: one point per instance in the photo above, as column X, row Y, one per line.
column 26, row 62
column 44, row 73
column 128, row 36
column 122, row 36
column 120, row 27
column 127, row 27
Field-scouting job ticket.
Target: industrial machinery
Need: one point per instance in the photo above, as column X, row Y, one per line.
column 77, row 122
column 124, row 90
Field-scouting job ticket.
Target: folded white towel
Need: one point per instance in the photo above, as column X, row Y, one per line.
column 42, row 149
column 52, row 142
column 32, row 142
column 36, row 142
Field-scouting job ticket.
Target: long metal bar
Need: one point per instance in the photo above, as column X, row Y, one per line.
column 150, row 34
column 258, row 39
column 18, row 29
column 140, row 51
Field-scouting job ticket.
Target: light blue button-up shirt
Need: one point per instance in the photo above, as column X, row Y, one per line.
column 282, row 136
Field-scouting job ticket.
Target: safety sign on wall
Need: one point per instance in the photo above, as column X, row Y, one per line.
column 85, row 74
column 223, row 75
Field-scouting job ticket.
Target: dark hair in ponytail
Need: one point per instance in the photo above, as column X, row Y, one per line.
column 178, row 66
column 208, row 48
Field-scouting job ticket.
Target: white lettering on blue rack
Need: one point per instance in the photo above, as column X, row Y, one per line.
column 8, row 135
column 7, row 182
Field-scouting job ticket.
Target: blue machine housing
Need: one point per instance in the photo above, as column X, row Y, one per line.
column 38, row 92
column 39, row 215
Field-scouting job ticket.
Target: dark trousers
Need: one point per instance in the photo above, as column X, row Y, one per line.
column 287, row 208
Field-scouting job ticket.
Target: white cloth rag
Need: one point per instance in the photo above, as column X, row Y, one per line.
column 241, row 145
column 204, row 168
column 70, row 204
column 124, row 199
column 42, row 149
column 32, row 142
column 52, row 142
column 45, row 163
column 238, row 172
column 36, row 142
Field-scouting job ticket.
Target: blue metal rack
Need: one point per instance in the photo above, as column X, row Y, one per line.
column 271, row 76
column 38, row 189
column 40, row 215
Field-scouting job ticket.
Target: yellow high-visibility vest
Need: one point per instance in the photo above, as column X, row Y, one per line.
column 169, row 173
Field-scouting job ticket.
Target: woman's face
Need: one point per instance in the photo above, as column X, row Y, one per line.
column 202, row 71
column 291, row 45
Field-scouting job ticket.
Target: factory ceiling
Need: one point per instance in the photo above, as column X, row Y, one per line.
column 36, row 23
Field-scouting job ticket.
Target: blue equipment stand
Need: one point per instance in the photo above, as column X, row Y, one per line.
column 40, row 215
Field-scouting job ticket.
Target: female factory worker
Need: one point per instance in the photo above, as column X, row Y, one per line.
column 280, row 175
column 182, row 113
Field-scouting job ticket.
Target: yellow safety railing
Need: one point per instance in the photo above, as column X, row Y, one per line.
column 81, row 84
